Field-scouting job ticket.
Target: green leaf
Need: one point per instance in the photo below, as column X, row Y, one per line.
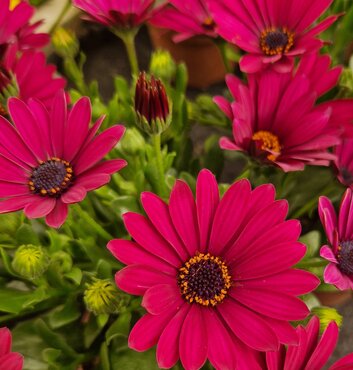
column 26, row 235
column 134, row 360
column 65, row 314
column 91, row 331
column 14, row 301
column 313, row 241
column 74, row 275
column 120, row 327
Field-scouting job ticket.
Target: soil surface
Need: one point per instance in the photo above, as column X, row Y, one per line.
column 106, row 57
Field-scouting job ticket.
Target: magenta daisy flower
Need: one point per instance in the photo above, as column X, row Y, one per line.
column 215, row 275
column 30, row 77
column 16, row 33
column 312, row 353
column 49, row 161
column 271, row 128
column 117, row 14
column 8, row 360
column 339, row 232
column 273, row 33
column 187, row 18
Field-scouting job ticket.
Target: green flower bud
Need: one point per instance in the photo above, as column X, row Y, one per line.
column 152, row 106
column 133, row 142
column 65, row 43
column 62, row 261
column 30, row 261
column 102, row 297
column 162, row 65
column 8, row 88
column 326, row 315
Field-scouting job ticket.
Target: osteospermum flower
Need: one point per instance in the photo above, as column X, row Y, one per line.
column 187, row 18
column 312, row 352
column 117, row 14
column 215, row 275
column 272, row 32
column 16, row 32
column 8, row 360
column 271, row 128
column 29, row 77
column 344, row 162
column 49, row 161
column 339, row 232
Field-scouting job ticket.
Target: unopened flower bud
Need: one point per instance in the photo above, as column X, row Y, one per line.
column 152, row 106
column 30, row 261
column 8, row 88
column 102, row 297
column 162, row 65
column 65, row 43
column 326, row 315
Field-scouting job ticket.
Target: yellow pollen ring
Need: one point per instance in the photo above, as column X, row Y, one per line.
column 270, row 51
column 185, row 274
column 269, row 142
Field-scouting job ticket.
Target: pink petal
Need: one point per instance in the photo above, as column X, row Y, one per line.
column 332, row 275
column 182, row 210
column 168, row 344
column 249, row 327
column 15, row 203
column 161, row 297
column 74, row 195
column 11, row 361
column 345, row 363
column 251, row 63
column 58, row 216
column 40, row 207
column 5, row 341
column 193, row 340
column 327, row 253
column 58, row 121
column 207, row 199
column 136, row 279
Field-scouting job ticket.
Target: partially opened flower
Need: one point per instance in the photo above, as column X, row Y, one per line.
column 271, row 128
column 8, row 360
column 273, row 33
column 16, row 32
column 312, row 353
column 117, row 14
column 187, row 18
column 339, row 232
column 49, row 161
column 29, row 77
column 216, row 275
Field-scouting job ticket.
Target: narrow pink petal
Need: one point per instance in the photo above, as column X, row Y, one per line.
column 229, row 215
column 5, row 341
column 285, row 332
column 207, row 200
column 251, row 63
column 193, row 339
column 15, row 203
column 295, row 357
column 58, row 216
column 249, row 327
column 58, row 120
column 74, row 195
column 328, row 217
column 332, row 275
column 8, row 189
column 344, row 214
column 345, row 363
column 11, row 361
column 148, row 237
column 324, row 349
column 273, row 304
column 327, row 253
column 91, row 182
column 275, row 360
column 136, row 279
column 220, row 344
column 158, row 213
column 41, row 207
column 168, row 344
column 161, row 297
column 130, row 253
column 148, row 329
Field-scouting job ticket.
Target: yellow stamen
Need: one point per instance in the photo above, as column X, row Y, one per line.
column 269, row 142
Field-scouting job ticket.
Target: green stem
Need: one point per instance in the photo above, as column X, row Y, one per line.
column 60, row 17
column 95, row 226
column 156, row 140
column 222, row 46
column 129, row 41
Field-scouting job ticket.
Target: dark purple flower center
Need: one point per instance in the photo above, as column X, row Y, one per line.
column 209, row 24
column 51, row 178
column 274, row 41
column 345, row 257
column 347, row 176
column 204, row 279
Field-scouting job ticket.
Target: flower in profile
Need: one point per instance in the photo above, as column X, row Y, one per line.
column 272, row 33
column 151, row 105
column 339, row 232
column 313, row 350
column 215, row 275
column 271, row 128
column 51, row 160
column 118, row 15
column 344, row 162
column 16, row 32
column 40, row 83
column 8, row 360
column 187, row 18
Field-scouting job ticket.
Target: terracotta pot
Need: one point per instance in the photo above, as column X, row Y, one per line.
column 201, row 55
column 335, row 298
